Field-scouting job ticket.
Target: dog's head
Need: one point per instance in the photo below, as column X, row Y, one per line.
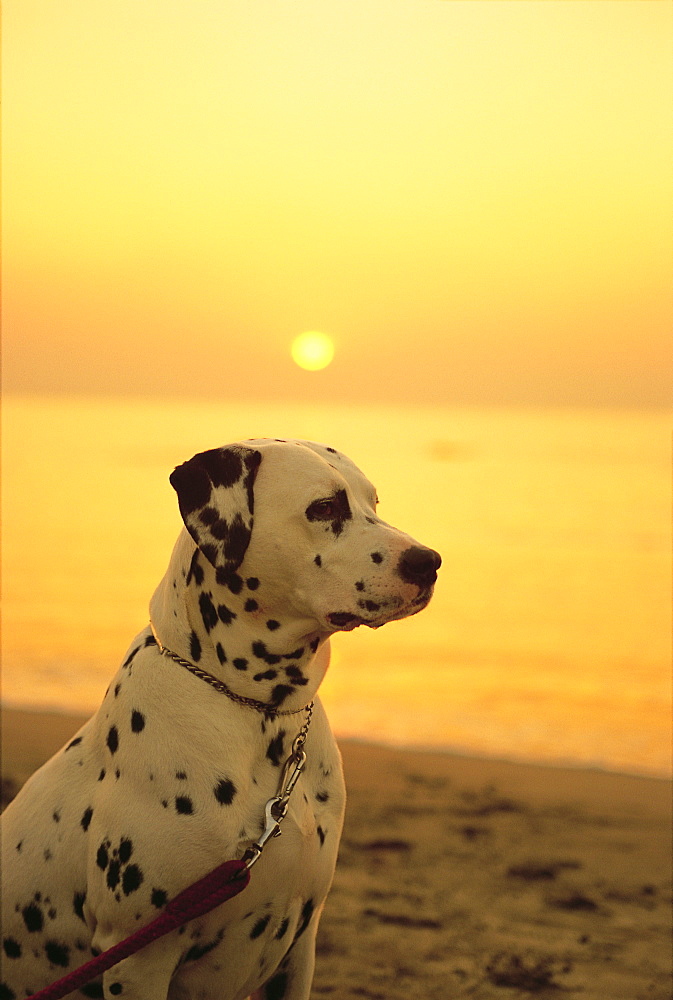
column 301, row 519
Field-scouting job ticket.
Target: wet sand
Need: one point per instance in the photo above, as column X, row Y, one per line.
column 461, row 877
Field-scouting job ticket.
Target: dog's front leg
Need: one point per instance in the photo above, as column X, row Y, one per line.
column 293, row 978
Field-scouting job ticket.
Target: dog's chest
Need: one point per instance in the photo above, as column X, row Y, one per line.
column 234, row 949
column 185, row 789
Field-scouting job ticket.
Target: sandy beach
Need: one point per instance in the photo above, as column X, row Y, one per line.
column 461, row 877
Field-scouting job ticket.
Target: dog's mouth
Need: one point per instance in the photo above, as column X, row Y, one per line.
column 345, row 621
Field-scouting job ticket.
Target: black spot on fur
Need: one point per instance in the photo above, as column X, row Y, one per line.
column 275, row 750
column 318, row 561
column 272, row 624
column 74, row 743
column 227, row 578
column 93, row 990
column 112, row 879
column 184, row 805
column 360, row 585
column 262, row 653
column 208, row 516
column 192, row 483
column 102, row 857
column 322, row 796
column 181, row 775
column 370, row 605
column 116, row 989
column 260, row 927
column 158, row 898
column 137, row 721
column 12, row 948
column 266, row 675
column 208, row 612
column 224, row 465
column 199, row 950
column 240, row 663
column 234, row 583
column 251, row 605
column 117, row 689
column 219, row 529
column 306, row 914
column 221, row 655
column 78, row 905
column 195, row 647
column 56, row 816
column 275, row 988
column 58, row 954
column 321, row 834
column 125, row 850
column 209, row 551
column 279, row 694
column 33, row 918
column 86, row 819
column 282, row 930
column 113, row 740
column 195, row 570
column 224, row 791
column 131, row 879
column 252, row 583
column 295, row 676
column 127, row 661
column 315, row 643
column 377, row 557
column 225, row 615
column 236, row 540
column 6, row 993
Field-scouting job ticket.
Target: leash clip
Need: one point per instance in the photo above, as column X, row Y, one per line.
column 274, row 812
column 276, row 808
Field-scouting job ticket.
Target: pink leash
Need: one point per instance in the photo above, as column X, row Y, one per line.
column 223, row 883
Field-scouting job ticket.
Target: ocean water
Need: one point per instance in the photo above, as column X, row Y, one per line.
column 548, row 638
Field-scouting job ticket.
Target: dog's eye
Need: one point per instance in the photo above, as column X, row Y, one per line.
column 321, row 510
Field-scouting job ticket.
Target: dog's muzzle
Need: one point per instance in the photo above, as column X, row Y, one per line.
column 418, row 566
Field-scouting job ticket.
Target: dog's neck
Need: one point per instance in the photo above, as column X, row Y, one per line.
column 226, row 630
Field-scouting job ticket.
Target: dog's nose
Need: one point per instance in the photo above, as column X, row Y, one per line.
column 419, row 565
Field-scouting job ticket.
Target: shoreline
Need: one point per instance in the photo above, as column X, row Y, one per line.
column 462, row 876
column 63, row 720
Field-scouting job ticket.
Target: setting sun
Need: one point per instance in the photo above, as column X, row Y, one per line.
column 312, row 350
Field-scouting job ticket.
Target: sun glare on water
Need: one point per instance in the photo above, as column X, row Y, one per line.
column 312, row 350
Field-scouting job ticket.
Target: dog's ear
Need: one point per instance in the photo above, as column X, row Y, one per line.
column 216, row 499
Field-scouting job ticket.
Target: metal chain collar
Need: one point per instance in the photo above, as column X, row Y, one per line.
column 259, row 706
column 276, row 808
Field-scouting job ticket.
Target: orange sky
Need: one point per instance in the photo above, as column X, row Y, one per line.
column 472, row 198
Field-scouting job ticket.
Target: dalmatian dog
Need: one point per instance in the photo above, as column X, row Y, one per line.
column 281, row 548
